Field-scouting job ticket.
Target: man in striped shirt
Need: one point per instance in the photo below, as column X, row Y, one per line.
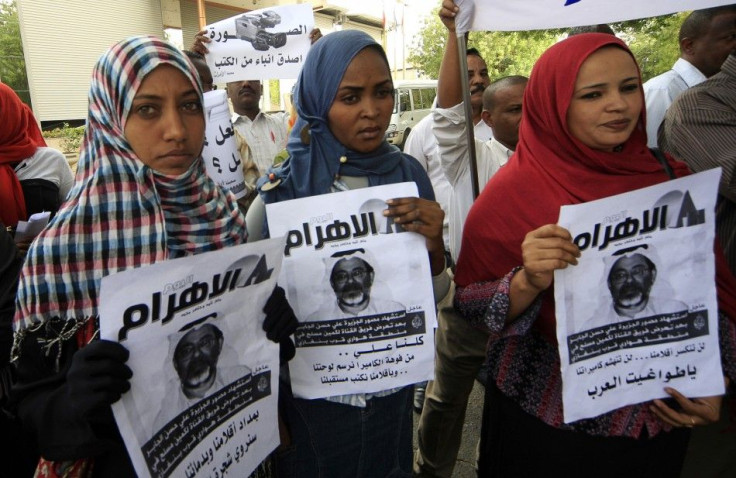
column 700, row 129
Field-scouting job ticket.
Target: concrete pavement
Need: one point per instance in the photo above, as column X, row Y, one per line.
column 465, row 464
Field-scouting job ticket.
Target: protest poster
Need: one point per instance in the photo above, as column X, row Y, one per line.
column 260, row 44
column 362, row 290
column 204, row 391
column 220, row 153
column 502, row 15
column 638, row 312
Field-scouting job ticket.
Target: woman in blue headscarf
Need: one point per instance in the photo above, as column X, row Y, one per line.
column 344, row 98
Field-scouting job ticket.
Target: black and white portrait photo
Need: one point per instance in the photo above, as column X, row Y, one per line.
column 194, row 355
column 631, row 276
column 351, row 277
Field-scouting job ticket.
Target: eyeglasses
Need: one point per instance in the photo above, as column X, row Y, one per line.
column 341, row 277
column 636, row 272
column 205, row 344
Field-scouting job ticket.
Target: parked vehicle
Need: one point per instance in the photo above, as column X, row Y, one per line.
column 413, row 101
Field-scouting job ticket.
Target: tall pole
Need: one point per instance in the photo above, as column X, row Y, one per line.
column 470, row 137
column 396, row 62
column 202, row 14
column 403, row 41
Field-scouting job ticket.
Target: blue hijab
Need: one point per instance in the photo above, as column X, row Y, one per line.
column 311, row 168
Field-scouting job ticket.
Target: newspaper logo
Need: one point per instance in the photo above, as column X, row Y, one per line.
column 673, row 210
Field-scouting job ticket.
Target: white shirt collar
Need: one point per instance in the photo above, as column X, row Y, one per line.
column 688, row 72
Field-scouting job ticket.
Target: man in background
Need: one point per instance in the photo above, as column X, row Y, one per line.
column 700, row 129
column 461, row 349
column 706, row 38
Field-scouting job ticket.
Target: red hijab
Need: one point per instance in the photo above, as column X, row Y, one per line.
column 19, row 139
column 552, row 168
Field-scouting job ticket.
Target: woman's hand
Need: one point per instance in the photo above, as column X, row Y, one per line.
column 545, row 250
column 200, row 42
column 97, row 378
column 280, row 321
column 692, row 412
column 425, row 217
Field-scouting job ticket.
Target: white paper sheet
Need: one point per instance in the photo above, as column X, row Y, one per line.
column 502, row 15
column 388, row 344
column 639, row 312
column 28, row 230
column 261, row 44
column 233, row 427
column 220, row 153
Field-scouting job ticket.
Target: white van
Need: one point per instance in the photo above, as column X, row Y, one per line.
column 413, row 101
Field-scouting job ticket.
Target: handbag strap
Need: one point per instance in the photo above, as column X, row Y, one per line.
column 663, row 161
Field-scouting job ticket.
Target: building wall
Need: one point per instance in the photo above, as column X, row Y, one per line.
column 63, row 40
column 190, row 18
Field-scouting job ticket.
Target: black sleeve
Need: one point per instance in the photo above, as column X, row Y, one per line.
column 10, row 263
column 38, row 400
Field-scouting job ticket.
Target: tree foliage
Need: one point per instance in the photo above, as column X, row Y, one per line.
column 12, row 63
column 652, row 40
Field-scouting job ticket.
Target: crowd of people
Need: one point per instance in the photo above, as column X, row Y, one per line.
column 576, row 130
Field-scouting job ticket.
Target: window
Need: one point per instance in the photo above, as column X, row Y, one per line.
column 428, row 95
column 416, row 96
column 403, row 101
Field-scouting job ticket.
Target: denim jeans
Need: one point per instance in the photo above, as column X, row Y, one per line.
column 332, row 440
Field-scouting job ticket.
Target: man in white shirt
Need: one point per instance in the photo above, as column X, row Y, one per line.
column 264, row 133
column 478, row 80
column 706, row 39
column 422, row 145
column 460, row 349
column 502, row 111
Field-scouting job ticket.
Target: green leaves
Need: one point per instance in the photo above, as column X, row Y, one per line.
column 653, row 41
column 12, row 64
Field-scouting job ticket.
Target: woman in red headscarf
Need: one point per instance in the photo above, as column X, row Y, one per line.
column 582, row 137
column 33, row 178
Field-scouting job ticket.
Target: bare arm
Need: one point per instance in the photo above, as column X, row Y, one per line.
column 449, row 86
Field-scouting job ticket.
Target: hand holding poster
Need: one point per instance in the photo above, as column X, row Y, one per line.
column 638, row 312
column 220, row 154
column 361, row 288
column 502, row 15
column 205, row 378
column 261, row 44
